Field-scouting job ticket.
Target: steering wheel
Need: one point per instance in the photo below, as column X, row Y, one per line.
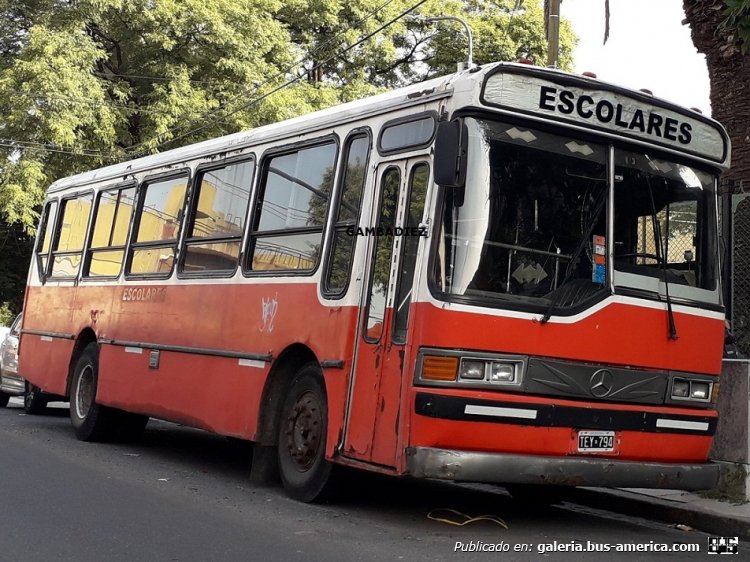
column 654, row 257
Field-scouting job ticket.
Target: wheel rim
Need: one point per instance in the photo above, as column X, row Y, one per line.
column 304, row 430
column 84, row 394
column 29, row 398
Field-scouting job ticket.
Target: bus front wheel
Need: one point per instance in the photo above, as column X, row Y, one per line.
column 91, row 421
column 304, row 470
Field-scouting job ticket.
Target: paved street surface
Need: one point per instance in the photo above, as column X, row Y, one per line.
column 184, row 495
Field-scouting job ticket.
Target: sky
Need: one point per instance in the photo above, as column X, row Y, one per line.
column 648, row 47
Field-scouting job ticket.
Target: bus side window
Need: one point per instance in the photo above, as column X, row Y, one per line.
column 114, row 209
column 291, row 209
column 346, row 217
column 45, row 237
column 420, row 175
column 70, row 236
column 217, row 219
column 158, row 227
column 383, row 254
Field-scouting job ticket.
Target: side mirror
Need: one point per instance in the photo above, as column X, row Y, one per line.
column 450, row 153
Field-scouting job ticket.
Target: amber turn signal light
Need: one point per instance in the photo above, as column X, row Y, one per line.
column 439, row 368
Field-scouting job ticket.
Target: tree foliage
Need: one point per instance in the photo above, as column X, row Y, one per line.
column 737, row 22
column 15, row 250
column 92, row 82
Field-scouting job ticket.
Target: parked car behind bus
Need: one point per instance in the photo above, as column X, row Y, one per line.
column 11, row 383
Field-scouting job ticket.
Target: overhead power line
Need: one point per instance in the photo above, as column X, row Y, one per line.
column 31, row 145
column 92, row 103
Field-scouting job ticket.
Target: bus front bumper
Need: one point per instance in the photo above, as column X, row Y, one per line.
column 472, row 466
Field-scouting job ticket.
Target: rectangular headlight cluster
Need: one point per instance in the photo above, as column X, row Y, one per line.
column 692, row 389
column 496, row 372
column 478, row 369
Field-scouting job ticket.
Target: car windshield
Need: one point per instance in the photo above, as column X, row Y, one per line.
column 15, row 328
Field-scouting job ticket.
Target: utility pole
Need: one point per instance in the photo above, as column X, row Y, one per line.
column 553, row 32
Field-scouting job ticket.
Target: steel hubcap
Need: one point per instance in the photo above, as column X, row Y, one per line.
column 84, row 394
column 304, row 426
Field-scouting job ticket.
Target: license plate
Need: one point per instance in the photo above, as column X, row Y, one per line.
column 596, row 441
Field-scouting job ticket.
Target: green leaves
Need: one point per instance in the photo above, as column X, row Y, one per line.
column 87, row 83
column 738, row 23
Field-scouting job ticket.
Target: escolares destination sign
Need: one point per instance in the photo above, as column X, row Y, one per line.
column 586, row 102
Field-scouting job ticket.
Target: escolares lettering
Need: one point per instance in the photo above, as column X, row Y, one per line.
column 605, row 111
column 143, row 294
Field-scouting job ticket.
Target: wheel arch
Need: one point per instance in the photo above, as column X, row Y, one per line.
column 288, row 363
column 85, row 337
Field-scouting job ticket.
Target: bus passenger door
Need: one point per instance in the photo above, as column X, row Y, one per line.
column 374, row 408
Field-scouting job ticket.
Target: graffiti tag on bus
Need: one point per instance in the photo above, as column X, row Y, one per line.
column 269, row 306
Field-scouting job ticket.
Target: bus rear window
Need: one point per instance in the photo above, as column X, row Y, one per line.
column 71, row 236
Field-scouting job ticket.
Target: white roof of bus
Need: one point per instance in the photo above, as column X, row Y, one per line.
column 402, row 97
column 311, row 121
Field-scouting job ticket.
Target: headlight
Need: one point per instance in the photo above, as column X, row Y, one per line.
column 472, row 369
column 688, row 389
column 699, row 390
column 680, row 389
column 503, row 372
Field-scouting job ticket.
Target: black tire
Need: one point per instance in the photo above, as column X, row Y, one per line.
column 34, row 400
column 303, row 422
column 4, row 399
column 91, row 421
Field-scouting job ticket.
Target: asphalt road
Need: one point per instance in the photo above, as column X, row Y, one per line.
column 184, row 495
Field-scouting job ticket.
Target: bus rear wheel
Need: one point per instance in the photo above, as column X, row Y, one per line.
column 304, row 470
column 34, row 400
column 91, row 421
column 4, row 399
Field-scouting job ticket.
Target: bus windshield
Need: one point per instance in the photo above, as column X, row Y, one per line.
column 521, row 232
column 529, row 230
column 664, row 220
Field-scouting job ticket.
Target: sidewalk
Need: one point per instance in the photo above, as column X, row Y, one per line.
column 671, row 506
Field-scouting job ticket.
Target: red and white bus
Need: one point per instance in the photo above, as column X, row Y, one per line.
column 507, row 275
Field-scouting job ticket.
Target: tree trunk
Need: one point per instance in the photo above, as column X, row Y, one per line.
column 729, row 72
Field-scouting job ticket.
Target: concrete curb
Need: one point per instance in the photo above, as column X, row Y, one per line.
column 634, row 504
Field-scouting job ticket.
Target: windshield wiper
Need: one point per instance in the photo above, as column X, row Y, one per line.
column 662, row 254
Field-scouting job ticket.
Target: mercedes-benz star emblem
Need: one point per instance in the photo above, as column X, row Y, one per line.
column 602, row 382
